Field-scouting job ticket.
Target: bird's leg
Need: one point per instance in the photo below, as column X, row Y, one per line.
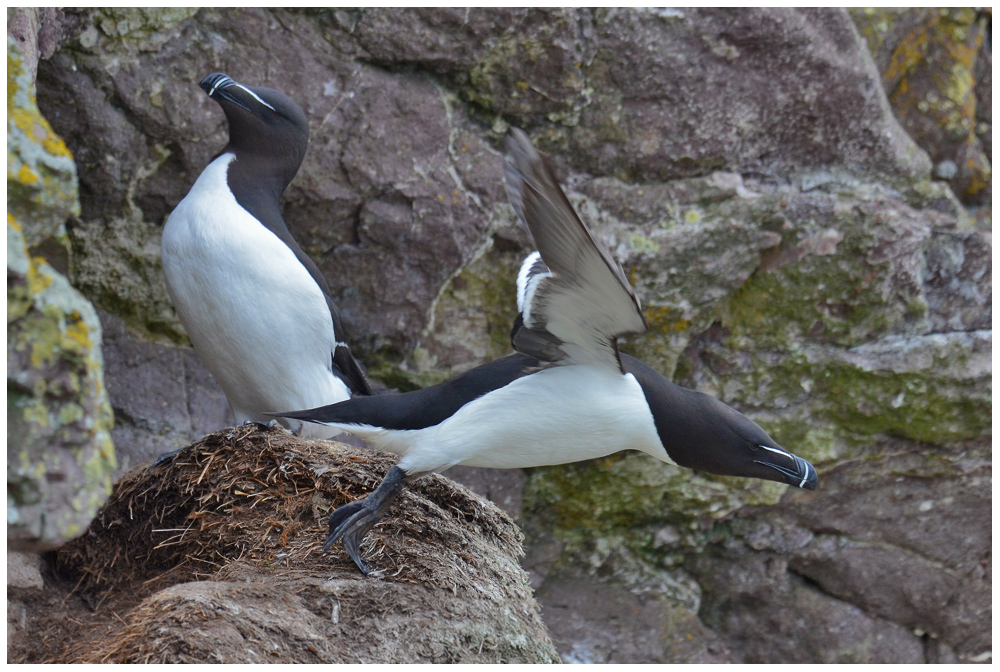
column 353, row 520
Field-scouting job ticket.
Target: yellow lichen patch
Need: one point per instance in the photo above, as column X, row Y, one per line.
column 26, row 175
column 36, row 414
column 18, row 304
column 633, row 275
column 44, row 343
column 981, row 175
column 666, row 320
column 910, row 51
column 38, row 161
column 78, row 332
column 928, row 59
column 38, row 279
column 642, row 244
column 52, row 143
column 15, row 70
column 70, row 413
column 30, row 121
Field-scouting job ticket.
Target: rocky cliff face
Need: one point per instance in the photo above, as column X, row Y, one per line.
column 777, row 184
column 59, row 451
column 938, row 76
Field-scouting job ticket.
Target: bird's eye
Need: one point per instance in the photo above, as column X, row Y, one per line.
column 754, row 446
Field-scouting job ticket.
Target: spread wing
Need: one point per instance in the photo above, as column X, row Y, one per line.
column 573, row 297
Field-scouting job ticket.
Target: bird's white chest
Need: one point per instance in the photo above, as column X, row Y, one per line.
column 257, row 319
column 560, row 415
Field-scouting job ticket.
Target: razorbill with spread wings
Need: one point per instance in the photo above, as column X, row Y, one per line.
column 568, row 394
column 257, row 309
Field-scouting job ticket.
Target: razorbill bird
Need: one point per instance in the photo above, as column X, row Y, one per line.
column 257, row 309
column 567, row 394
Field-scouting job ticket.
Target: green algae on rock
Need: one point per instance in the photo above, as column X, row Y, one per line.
column 118, row 268
column 632, row 490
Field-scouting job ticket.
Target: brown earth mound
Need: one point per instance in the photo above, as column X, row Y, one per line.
column 216, row 557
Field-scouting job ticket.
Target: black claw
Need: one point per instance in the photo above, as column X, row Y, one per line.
column 354, row 529
column 352, row 544
column 337, row 518
column 352, row 521
column 352, row 525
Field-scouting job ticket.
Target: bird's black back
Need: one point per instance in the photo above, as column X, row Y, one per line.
column 427, row 407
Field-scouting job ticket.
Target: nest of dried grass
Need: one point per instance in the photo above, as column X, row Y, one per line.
column 216, row 556
column 264, row 497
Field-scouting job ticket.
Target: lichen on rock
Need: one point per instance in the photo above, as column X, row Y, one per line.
column 928, row 60
column 41, row 176
column 144, row 28
column 59, row 449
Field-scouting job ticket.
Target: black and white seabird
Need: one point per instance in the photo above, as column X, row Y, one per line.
column 257, row 309
column 567, row 394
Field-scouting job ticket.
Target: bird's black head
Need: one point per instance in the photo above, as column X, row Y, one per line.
column 262, row 123
column 700, row 432
column 721, row 440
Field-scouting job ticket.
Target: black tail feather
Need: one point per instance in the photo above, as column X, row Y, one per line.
column 349, row 370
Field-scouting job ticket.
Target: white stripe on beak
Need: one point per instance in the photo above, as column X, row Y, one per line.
column 216, row 85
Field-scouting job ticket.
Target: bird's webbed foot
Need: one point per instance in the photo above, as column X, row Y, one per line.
column 352, row 521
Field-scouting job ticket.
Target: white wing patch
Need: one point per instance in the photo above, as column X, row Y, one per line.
column 533, row 272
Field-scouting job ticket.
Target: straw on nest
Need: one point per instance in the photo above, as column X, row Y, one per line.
column 243, row 513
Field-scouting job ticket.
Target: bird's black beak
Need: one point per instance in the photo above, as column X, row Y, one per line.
column 218, row 85
column 793, row 469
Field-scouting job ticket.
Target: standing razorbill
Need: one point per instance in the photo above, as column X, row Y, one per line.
column 567, row 395
column 257, row 309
